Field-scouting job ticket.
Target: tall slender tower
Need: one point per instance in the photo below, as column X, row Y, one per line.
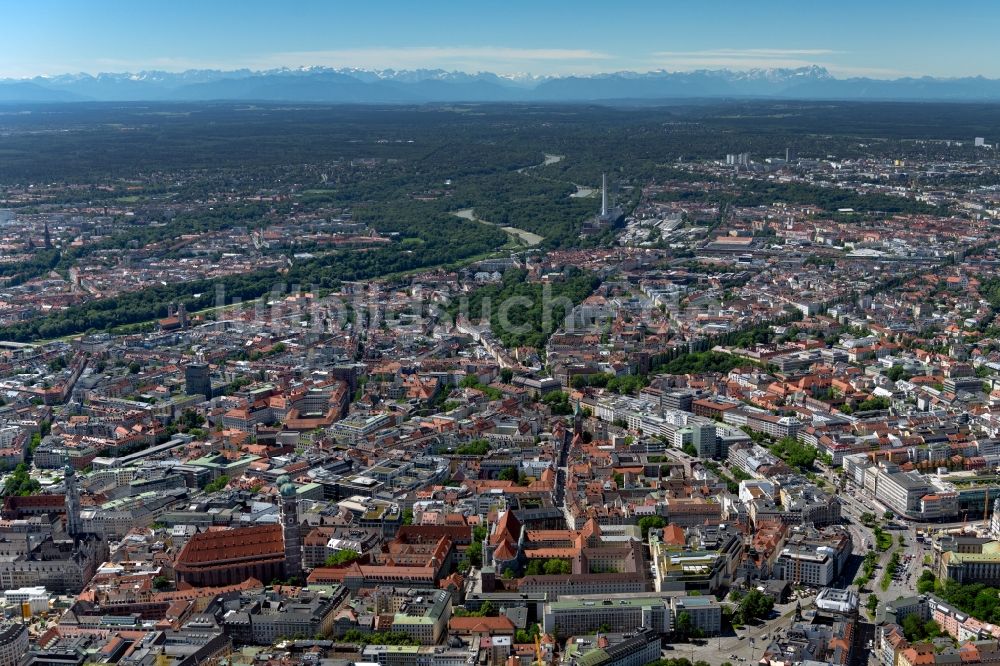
column 72, row 502
column 290, row 528
column 604, row 195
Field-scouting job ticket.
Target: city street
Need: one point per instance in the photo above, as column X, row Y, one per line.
column 746, row 645
column 911, row 554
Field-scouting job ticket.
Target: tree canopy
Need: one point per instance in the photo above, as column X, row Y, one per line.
column 341, row 557
column 754, row 606
column 799, row 456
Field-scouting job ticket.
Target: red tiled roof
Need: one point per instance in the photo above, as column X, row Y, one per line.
column 238, row 544
column 481, row 625
column 674, row 535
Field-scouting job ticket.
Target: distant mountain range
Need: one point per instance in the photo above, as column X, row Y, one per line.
column 321, row 84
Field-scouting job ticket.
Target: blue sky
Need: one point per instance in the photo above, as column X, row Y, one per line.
column 881, row 38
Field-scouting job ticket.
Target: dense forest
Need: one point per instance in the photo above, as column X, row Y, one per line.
column 84, row 142
column 828, row 198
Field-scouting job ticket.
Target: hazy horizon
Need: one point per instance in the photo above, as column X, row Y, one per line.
column 850, row 39
column 513, row 76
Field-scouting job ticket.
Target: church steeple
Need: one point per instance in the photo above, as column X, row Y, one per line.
column 72, row 502
column 290, row 528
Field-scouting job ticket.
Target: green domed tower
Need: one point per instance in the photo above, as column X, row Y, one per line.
column 290, row 527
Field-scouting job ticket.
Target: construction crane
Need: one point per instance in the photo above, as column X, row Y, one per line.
column 538, row 649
